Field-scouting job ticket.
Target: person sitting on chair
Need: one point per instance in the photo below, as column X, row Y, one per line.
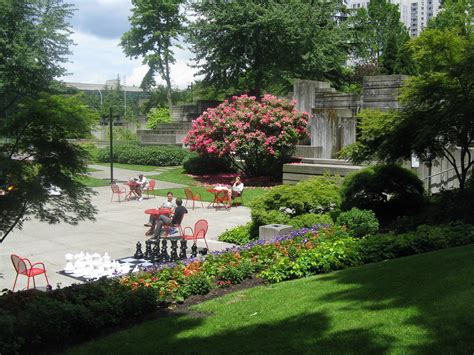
column 178, row 215
column 143, row 184
column 237, row 188
column 169, row 204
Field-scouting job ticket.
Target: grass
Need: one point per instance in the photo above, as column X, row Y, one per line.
column 142, row 168
column 178, row 176
column 414, row 305
column 92, row 181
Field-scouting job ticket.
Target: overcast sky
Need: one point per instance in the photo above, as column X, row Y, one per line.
column 97, row 56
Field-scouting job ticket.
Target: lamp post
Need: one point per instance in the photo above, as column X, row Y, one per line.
column 111, row 134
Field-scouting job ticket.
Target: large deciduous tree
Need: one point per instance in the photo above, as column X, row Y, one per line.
column 379, row 38
column 36, row 122
column 156, row 26
column 437, row 115
column 252, row 45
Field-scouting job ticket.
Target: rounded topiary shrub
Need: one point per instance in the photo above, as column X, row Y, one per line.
column 238, row 235
column 309, row 220
column 206, row 164
column 359, row 222
column 282, row 203
column 388, row 190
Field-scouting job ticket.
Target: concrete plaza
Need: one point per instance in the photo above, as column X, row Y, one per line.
column 119, row 226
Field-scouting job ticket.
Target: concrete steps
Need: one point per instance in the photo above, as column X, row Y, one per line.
column 310, row 167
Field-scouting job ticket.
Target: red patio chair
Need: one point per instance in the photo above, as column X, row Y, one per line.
column 150, row 188
column 23, row 266
column 241, row 196
column 177, row 225
column 190, row 196
column 118, row 191
column 199, row 232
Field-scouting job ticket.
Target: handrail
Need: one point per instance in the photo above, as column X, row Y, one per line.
column 441, row 173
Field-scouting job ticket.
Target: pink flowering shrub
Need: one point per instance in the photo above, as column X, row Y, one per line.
column 257, row 137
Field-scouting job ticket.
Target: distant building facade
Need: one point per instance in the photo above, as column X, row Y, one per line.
column 413, row 14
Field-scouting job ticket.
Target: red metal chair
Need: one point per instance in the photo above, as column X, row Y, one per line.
column 23, row 266
column 199, row 232
column 167, row 228
column 190, row 196
column 241, row 196
column 118, row 191
column 150, row 188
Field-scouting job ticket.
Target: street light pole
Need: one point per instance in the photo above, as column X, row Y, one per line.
column 111, row 147
column 101, row 101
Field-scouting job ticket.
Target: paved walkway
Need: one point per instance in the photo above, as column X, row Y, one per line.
column 118, row 228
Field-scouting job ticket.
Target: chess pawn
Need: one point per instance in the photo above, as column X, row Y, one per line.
column 138, row 252
column 147, row 250
column 155, row 254
column 194, row 250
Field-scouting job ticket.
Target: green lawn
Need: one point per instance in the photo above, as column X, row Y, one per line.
column 178, row 176
column 92, row 181
column 415, row 305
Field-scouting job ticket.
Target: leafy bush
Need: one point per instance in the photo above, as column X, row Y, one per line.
column 91, row 149
column 235, row 273
column 68, row 314
column 388, row 190
column 198, row 284
column 145, row 155
column 310, row 219
column 238, row 235
column 280, row 204
column 359, row 222
column 257, row 135
column 206, row 164
column 158, row 115
column 121, row 134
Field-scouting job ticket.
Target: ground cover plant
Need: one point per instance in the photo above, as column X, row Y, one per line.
column 418, row 304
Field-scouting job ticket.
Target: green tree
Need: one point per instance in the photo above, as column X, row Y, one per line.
column 379, row 38
column 156, row 26
column 252, row 45
column 35, row 122
column 437, row 112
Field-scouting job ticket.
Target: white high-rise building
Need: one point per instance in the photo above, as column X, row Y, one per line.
column 413, row 13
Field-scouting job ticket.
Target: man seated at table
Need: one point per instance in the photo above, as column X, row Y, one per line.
column 169, row 204
column 178, row 215
column 142, row 185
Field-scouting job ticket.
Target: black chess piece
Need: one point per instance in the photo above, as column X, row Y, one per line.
column 194, row 250
column 182, row 250
column 155, row 254
column 148, row 253
column 138, row 252
column 203, row 251
column 174, row 249
column 164, row 251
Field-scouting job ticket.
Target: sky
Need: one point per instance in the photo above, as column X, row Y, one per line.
column 97, row 26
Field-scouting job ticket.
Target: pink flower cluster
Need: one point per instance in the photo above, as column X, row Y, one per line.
column 248, row 129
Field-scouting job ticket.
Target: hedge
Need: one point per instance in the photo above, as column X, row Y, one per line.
column 161, row 155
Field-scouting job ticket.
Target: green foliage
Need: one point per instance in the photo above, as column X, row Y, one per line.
column 359, row 222
column 155, row 27
column 425, row 238
column 70, row 314
column 206, row 164
column 280, row 204
column 388, row 190
column 198, row 284
column 158, row 115
column 234, row 274
column 380, row 38
column 121, row 134
column 239, row 235
column 145, row 155
column 252, row 46
column 309, row 220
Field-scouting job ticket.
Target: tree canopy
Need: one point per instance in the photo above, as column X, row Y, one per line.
column 36, row 120
column 252, row 45
column 156, row 26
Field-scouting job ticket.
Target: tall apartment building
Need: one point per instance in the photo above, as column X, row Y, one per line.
column 413, row 13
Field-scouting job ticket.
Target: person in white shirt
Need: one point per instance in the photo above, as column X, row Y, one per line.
column 143, row 181
column 237, row 188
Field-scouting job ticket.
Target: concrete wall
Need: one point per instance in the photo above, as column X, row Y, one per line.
column 189, row 112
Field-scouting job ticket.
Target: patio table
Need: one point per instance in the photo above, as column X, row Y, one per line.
column 219, row 197
column 157, row 212
column 133, row 186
